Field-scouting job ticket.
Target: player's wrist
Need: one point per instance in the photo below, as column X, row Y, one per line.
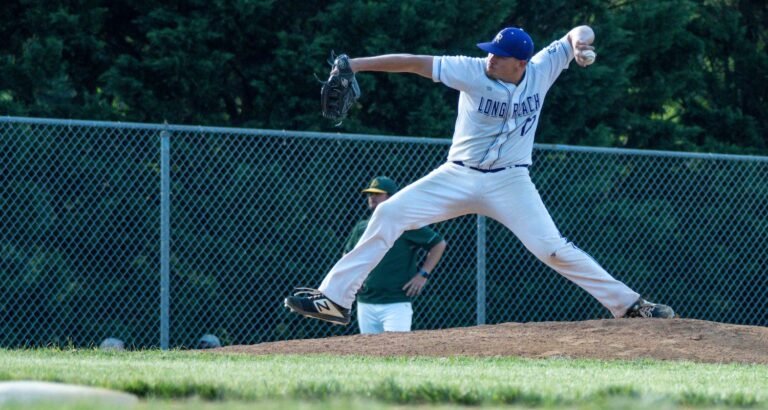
column 424, row 274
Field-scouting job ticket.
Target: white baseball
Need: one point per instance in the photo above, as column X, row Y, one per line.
column 588, row 56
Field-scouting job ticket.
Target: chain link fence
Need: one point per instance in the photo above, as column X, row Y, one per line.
column 158, row 234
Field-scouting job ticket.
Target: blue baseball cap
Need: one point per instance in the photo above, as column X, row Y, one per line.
column 510, row 42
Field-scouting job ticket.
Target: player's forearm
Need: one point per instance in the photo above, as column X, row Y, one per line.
column 395, row 63
column 433, row 257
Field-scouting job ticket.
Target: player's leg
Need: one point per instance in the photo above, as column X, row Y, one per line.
column 368, row 319
column 397, row 317
column 441, row 195
column 438, row 196
column 514, row 201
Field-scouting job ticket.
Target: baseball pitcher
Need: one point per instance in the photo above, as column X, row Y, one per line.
column 487, row 171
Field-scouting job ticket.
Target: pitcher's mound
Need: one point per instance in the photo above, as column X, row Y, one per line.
column 627, row 339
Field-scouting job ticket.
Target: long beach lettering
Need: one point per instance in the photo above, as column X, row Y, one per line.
column 529, row 105
column 492, row 108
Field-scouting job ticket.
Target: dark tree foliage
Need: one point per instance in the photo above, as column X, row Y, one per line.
column 685, row 75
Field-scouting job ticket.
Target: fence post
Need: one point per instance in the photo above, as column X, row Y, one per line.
column 481, row 229
column 165, row 237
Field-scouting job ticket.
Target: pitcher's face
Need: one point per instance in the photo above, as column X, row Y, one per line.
column 507, row 69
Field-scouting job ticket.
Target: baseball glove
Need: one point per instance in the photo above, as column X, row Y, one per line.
column 340, row 91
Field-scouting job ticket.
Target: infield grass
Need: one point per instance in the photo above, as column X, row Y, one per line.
column 183, row 379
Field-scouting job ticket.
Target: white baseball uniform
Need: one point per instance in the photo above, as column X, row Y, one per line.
column 492, row 143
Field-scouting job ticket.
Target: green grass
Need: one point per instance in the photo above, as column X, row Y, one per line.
column 210, row 381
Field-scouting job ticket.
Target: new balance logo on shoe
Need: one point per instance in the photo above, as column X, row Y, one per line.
column 312, row 303
column 327, row 307
column 322, row 305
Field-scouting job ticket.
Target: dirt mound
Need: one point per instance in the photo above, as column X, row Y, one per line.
column 677, row 339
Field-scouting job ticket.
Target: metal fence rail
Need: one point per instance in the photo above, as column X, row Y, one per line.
column 157, row 234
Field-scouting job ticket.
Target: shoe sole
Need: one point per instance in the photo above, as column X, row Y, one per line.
column 310, row 315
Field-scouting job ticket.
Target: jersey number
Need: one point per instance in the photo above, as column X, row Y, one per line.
column 528, row 125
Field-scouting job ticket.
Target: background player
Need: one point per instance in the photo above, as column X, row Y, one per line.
column 500, row 102
column 384, row 301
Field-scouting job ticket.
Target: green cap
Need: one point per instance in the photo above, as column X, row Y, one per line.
column 381, row 185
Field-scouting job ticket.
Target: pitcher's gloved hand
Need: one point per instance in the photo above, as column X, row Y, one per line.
column 340, row 91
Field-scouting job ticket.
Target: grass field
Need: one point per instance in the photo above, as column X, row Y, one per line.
column 202, row 380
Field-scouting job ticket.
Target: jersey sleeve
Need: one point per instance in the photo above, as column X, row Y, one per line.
column 424, row 237
column 553, row 59
column 458, row 72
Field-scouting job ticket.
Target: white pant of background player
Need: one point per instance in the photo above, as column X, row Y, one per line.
column 376, row 318
column 508, row 196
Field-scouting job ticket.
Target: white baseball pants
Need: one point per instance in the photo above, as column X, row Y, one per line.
column 386, row 317
column 451, row 190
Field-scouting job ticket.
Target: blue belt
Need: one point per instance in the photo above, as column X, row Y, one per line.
column 489, row 171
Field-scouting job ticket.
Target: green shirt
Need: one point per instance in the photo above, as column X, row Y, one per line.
column 385, row 282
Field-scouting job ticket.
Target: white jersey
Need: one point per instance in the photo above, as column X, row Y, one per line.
column 497, row 121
